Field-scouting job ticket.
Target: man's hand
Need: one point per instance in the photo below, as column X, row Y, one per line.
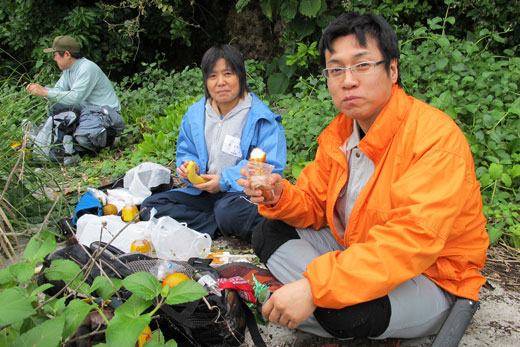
column 256, row 195
column 290, row 305
column 36, row 89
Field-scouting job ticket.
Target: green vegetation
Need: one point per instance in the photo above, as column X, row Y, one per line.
column 457, row 56
column 29, row 321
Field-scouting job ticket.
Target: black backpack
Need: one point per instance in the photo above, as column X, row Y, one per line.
column 213, row 321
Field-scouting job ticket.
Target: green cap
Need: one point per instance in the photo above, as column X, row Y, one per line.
column 62, row 44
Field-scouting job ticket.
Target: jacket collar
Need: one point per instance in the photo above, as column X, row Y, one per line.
column 378, row 136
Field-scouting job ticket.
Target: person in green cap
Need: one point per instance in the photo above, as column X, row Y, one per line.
column 85, row 89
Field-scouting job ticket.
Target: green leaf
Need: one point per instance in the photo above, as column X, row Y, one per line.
column 515, row 110
column 23, row 272
column 495, row 171
column 41, row 289
column 287, row 70
column 444, row 42
column 55, row 307
column 65, row 270
column 310, row 8
column 498, row 38
column 186, row 291
column 164, row 291
column 62, row 269
column 45, row 335
column 434, row 23
column 241, row 4
column 39, row 246
column 506, row 179
column 302, row 27
column 494, row 234
column 134, row 306
column 74, row 314
column 288, row 10
column 515, row 171
column 15, row 306
column 124, row 331
column 277, row 83
column 485, row 180
column 267, row 10
column 104, row 288
column 441, row 63
column 5, row 276
column 143, row 284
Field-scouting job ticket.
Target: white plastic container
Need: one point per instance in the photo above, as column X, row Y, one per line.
column 174, row 240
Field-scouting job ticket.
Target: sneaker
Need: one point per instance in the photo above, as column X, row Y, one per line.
column 246, row 271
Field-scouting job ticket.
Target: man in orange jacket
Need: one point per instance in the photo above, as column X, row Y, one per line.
column 384, row 230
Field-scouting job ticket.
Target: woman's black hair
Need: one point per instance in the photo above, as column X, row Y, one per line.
column 372, row 25
column 234, row 61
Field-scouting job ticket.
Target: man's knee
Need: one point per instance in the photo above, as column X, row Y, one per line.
column 270, row 234
column 367, row 319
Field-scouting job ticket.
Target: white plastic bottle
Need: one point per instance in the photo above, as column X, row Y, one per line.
column 208, row 281
column 165, row 268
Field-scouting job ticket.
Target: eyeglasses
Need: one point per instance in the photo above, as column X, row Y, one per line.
column 359, row 68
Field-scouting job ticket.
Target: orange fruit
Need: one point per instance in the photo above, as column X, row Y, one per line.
column 109, row 209
column 145, row 336
column 174, row 279
column 128, row 212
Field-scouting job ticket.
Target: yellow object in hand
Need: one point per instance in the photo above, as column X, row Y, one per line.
column 193, row 177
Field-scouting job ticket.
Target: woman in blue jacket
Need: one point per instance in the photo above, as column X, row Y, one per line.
column 218, row 133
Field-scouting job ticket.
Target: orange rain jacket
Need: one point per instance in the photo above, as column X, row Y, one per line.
column 420, row 212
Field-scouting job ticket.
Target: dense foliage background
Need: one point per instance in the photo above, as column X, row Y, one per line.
column 460, row 56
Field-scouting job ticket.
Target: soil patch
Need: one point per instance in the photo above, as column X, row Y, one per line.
column 503, row 267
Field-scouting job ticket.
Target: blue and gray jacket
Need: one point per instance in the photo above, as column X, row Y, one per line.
column 262, row 129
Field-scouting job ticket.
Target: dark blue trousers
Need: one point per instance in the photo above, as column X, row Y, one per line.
column 227, row 213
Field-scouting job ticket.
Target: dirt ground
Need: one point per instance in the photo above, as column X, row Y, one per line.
column 496, row 323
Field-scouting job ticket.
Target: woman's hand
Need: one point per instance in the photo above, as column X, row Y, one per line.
column 212, row 185
column 182, row 170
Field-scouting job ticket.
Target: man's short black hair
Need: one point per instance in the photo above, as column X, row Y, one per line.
column 234, row 61
column 372, row 25
column 73, row 55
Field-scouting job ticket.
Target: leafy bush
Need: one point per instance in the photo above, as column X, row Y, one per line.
column 30, row 194
column 480, row 91
column 304, row 116
column 32, row 318
column 160, row 143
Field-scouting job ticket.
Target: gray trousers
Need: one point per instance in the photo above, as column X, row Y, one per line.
column 418, row 306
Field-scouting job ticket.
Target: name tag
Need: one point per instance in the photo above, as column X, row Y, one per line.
column 231, row 145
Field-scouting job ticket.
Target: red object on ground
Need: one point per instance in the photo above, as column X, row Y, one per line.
column 243, row 288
